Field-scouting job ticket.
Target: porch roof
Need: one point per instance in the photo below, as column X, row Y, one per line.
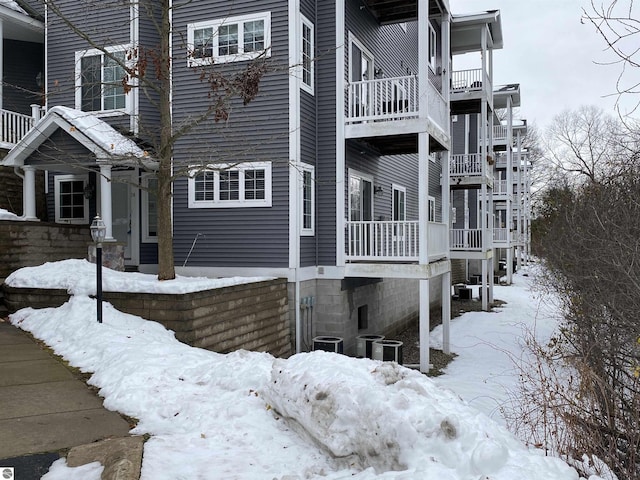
column 396, row 11
column 17, row 24
column 466, row 31
column 100, row 138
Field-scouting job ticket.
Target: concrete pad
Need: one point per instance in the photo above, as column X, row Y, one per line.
column 121, row 457
column 44, row 398
column 22, row 352
column 33, row 371
column 48, row 433
column 10, row 335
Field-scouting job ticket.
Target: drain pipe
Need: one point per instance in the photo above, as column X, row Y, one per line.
column 198, row 235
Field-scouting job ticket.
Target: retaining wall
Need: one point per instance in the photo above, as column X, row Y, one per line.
column 251, row 316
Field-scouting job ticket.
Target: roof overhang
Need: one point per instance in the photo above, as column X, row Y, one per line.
column 20, row 26
column 466, row 31
column 97, row 136
column 503, row 92
column 396, row 11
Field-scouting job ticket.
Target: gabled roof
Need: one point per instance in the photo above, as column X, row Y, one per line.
column 466, row 31
column 502, row 92
column 97, row 136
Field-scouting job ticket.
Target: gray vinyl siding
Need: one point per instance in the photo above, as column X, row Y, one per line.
column 259, row 131
column 22, row 63
column 473, row 133
column 325, row 94
column 106, row 23
column 309, row 139
column 458, row 143
column 76, row 156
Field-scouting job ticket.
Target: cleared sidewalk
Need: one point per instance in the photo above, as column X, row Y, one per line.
column 43, row 407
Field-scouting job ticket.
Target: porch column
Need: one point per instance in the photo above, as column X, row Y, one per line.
column 509, row 189
column 29, row 193
column 105, row 200
column 446, row 312
column 520, row 205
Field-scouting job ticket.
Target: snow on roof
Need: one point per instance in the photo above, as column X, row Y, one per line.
column 100, row 132
column 13, row 6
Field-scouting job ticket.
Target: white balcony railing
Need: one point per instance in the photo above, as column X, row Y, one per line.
column 393, row 241
column 383, row 99
column 500, row 133
column 500, row 187
column 500, row 235
column 467, row 164
column 466, row 80
column 13, row 126
column 466, row 239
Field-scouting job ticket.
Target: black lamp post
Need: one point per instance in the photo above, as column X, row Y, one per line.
column 98, row 232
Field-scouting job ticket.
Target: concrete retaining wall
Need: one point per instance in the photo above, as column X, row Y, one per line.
column 252, row 316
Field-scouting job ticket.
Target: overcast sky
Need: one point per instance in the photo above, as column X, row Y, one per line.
column 551, row 55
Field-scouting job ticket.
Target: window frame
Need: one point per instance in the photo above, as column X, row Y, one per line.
column 361, row 177
column 146, row 195
column 432, row 209
column 58, row 179
column 95, row 52
column 433, row 51
column 242, row 201
column 215, row 24
column 403, row 190
column 307, row 169
column 308, row 87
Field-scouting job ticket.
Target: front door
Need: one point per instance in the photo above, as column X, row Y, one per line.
column 361, row 69
column 124, row 205
column 360, row 211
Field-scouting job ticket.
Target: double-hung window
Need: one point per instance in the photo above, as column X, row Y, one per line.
column 71, row 205
column 221, row 186
column 100, row 79
column 229, row 40
column 307, row 199
column 307, row 55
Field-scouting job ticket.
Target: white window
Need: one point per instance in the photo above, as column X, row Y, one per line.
column 307, row 55
column 432, row 47
column 432, row 209
column 99, row 79
column 221, row 186
column 308, row 199
column 230, row 39
column 71, row 204
column 399, row 204
column 150, row 209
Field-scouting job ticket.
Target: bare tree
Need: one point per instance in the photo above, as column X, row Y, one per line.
column 618, row 22
column 149, row 69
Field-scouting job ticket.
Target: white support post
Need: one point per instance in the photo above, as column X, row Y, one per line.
column 483, row 287
column 446, row 312
column 424, row 326
column 520, row 202
column 509, row 223
column 29, row 193
column 105, row 201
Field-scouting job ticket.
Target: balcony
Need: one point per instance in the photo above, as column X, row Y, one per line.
column 500, row 188
column 372, row 241
column 470, row 169
column 390, row 107
column 501, row 237
column 13, row 126
column 468, row 89
column 468, row 239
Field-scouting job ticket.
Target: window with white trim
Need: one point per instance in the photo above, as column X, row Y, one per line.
column 307, row 54
column 307, row 199
column 150, row 209
column 99, row 76
column 433, row 52
column 221, row 186
column 71, row 205
column 229, row 39
column 399, row 204
column 432, row 209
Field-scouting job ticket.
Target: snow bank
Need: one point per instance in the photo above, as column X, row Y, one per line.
column 7, row 215
column 390, row 418
column 78, row 277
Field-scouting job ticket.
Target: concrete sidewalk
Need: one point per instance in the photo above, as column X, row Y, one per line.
column 44, row 408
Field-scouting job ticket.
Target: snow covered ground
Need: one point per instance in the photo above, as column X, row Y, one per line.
column 247, row 415
column 6, row 214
